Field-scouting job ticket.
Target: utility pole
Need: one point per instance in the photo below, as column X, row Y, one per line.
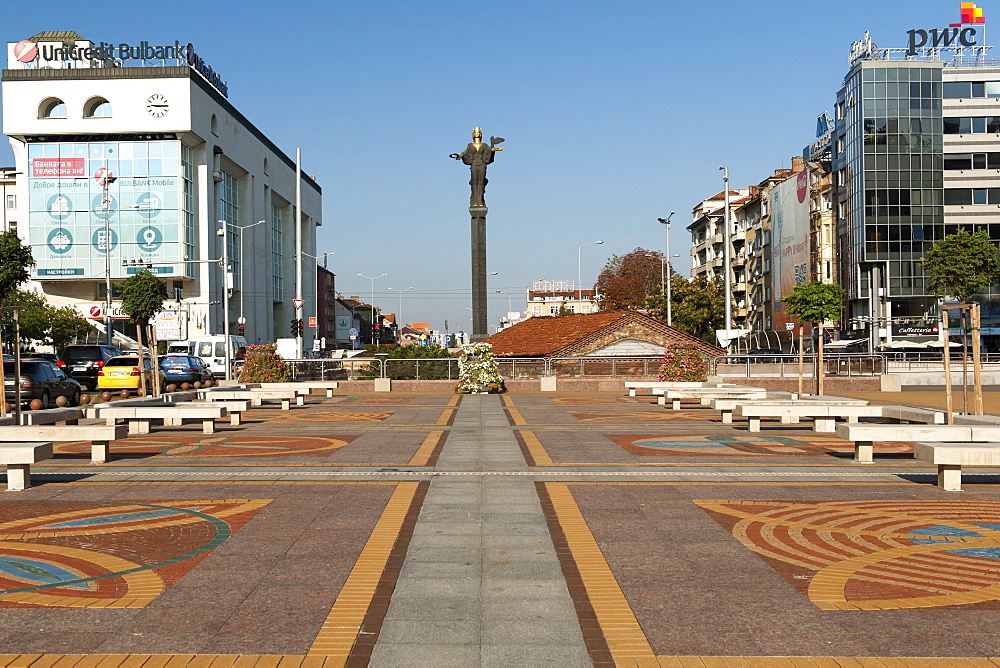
column 666, row 270
column 298, row 251
column 726, row 259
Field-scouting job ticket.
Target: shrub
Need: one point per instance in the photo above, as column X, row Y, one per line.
column 683, row 362
column 264, row 365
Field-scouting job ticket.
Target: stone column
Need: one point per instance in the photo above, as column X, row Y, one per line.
column 479, row 325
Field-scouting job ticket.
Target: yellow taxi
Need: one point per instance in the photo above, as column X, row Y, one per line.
column 122, row 373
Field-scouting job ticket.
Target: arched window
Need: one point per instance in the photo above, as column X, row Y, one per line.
column 215, row 125
column 97, row 107
column 52, row 108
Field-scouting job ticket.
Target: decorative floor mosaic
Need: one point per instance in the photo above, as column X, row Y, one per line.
column 737, row 444
column 236, row 444
column 875, row 555
column 72, row 554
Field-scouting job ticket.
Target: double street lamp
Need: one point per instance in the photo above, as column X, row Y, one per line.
column 399, row 311
column 665, row 271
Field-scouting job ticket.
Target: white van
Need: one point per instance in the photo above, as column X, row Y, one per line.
column 212, row 349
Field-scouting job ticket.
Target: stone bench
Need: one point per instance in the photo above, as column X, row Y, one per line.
column 823, row 415
column 53, row 416
column 951, row 457
column 706, row 394
column 235, row 407
column 258, row 397
column 327, row 386
column 18, row 458
column 865, row 435
column 726, row 406
column 138, row 418
column 99, row 435
column 633, row 385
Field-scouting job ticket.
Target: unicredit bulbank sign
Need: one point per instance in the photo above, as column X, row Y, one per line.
column 87, row 54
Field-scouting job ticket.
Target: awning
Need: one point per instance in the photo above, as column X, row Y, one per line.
column 842, row 343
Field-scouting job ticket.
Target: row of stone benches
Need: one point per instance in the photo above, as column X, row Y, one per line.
column 32, row 441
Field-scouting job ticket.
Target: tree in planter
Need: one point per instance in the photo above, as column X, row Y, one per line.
column 816, row 303
column 143, row 295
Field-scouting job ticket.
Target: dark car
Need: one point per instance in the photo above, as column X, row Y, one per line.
column 45, row 356
column 83, row 362
column 179, row 369
column 40, row 379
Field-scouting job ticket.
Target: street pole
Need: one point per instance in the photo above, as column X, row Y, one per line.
column 666, row 270
column 106, row 199
column 372, row 326
column 243, row 266
column 225, row 297
column 579, row 268
column 726, row 259
column 298, row 248
column 399, row 316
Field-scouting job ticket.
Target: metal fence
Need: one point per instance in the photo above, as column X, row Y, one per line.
column 748, row 366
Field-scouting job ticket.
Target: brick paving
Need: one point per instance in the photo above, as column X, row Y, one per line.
column 527, row 529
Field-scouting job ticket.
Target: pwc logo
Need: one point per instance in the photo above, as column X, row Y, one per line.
column 955, row 35
column 25, row 51
column 970, row 14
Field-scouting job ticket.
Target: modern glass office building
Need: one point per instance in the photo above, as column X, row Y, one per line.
column 916, row 156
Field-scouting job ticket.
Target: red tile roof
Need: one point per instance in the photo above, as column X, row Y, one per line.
column 567, row 335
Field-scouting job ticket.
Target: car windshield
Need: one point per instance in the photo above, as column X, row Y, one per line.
column 27, row 368
column 123, row 361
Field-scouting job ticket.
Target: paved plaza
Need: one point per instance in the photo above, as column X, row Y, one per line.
column 525, row 529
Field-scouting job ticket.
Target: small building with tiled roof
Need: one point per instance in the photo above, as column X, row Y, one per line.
column 611, row 333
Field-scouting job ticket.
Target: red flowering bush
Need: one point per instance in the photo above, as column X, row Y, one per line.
column 264, row 365
column 683, row 362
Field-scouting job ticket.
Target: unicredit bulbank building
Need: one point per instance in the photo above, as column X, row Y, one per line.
column 157, row 118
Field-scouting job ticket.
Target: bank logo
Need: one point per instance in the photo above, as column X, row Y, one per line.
column 25, row 51
column 970, row 14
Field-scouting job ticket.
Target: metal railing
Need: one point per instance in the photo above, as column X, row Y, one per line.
column 748, row 366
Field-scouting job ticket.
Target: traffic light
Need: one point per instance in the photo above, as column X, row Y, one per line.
column 295, row 327
column 241, row 330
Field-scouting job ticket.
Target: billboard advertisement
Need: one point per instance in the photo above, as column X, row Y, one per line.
column 789, row 242
column 68, row 211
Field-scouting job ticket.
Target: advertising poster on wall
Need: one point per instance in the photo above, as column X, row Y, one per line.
column 68, row 210
column 789, row 242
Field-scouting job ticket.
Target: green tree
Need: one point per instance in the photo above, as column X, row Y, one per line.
column 15, row 259
column 962, row 264
column 143, row 295
column 698, row 305
column 816, row 303
column 65, row 326
column 628, row 279
column 43, row 322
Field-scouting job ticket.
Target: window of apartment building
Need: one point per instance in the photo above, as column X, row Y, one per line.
column 971, row 125
column 276, row 268
column 956, row 90
column 955, row 161
column 963, row 196
column 11, row 201
column 553, row 310
column 229, row 202
column 188, row 204
column 536, row 310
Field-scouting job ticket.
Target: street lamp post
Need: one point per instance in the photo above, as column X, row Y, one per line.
column 241, row 320
column 399, row 311
column 372, row 326
column 579, row 265
column 316, row 275
column 501, row 292
column 225, row 297
column 726, row 257
column 666, row 269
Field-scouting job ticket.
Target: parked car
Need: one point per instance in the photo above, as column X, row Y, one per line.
column 52, row 357
column 82, row 363
column 40, row 379
column 122, row 373
column 179, row 369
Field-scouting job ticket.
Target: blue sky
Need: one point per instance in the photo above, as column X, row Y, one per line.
column 615, row 113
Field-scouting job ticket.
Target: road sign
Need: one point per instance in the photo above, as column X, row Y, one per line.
column 312, row 321
column 354, row 331
column 789, row 326
column 316, row 345
column 353, row 336
column 298, row 303
column 103, row 176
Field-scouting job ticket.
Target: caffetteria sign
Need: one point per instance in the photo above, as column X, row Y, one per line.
column 967, row 33
column 27, row 51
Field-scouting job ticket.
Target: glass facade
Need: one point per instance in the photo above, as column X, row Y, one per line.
column 189, row 207
column 276, row 249
column 229, row 204
column 69, row 207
